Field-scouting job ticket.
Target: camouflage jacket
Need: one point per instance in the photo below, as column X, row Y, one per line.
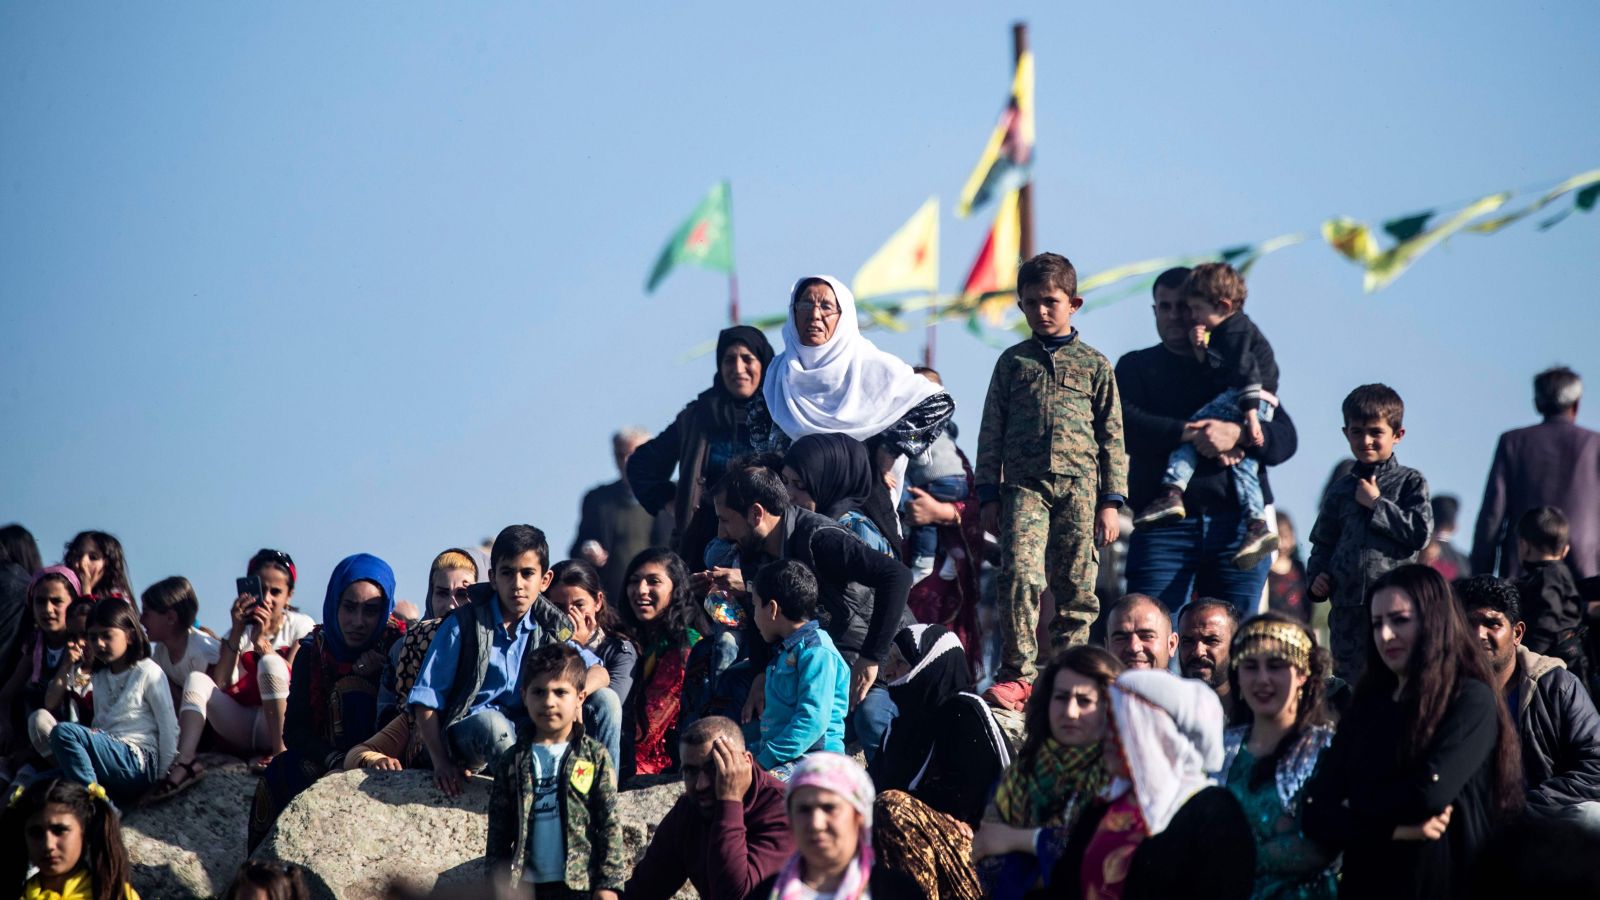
column 1355, row 546
column 1052, row 412
column 591, row 831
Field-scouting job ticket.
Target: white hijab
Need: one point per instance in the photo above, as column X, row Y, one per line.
column 1170, row 729
column 846, row 386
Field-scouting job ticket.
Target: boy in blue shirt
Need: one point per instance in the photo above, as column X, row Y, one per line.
column 465, row 698
column 808, row 683
column 553, row 808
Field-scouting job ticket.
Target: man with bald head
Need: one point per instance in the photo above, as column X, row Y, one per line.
column 1205, row 629
column 1139, row 632
column 730, row 829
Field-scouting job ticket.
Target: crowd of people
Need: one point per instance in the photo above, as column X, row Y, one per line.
column 804, row 565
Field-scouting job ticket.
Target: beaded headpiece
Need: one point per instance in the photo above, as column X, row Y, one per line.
column 1284, row 640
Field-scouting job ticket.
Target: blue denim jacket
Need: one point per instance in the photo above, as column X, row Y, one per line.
column 808, row 686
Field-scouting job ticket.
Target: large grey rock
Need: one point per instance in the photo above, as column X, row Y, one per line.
column 192, row 845
column 355, row 832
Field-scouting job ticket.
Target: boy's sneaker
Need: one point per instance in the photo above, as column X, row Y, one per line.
column 1012, row 695
column 921, row 568
column 1259, row 542
column 1166, row 509
column 948, row 571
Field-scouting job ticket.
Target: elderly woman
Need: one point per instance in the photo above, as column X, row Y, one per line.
column 706, row 435
column 830, row 798
column 831, row 379
column 1278, row 676
column 1162, row 828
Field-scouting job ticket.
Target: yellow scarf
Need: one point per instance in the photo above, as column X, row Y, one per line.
column 79, row 886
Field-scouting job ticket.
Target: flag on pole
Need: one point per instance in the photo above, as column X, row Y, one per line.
column 908, row 262
column 992, row 283
column 1007, row 160
column 705, row 239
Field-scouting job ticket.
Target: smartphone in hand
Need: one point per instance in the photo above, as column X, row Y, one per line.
column 250, row 585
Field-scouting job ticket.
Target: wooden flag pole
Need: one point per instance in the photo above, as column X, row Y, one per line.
column 733, row 297
column 1019, row 46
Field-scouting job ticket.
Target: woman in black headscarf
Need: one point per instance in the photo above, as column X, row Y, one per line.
column 944, row 747
column 832, row 474
column 709, row 432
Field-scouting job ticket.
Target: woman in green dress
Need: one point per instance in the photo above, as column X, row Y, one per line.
column 1278, row 677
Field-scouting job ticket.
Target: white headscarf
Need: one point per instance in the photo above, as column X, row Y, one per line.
column 1170, row 730
column 846, row 386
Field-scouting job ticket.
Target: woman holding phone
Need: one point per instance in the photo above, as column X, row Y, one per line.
column 246, row 695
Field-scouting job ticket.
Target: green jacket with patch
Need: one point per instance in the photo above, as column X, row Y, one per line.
column 1051, row 413
column 591, row 831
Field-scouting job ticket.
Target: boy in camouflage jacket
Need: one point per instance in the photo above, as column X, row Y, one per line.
column 1051, row 473
column 553, row 808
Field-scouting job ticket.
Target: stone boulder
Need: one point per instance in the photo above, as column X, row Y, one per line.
column 355, row 832
column 192, row 845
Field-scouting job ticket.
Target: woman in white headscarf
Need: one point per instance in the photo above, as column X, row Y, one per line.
column 830, row 379
column 1164, row 828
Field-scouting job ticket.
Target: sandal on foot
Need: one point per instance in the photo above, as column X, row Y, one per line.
column 169, row 788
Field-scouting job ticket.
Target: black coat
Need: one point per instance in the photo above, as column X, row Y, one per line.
column 1560, row 733
column 1362, row 792
column 1160, row 392
column 1207, row 850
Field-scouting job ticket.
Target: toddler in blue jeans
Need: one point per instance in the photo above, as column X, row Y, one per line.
column 1230, row 345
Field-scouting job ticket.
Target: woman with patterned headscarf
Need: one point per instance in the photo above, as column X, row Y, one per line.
column 1277, row 679
column 830, row 799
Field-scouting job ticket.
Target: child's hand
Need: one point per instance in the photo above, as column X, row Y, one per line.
column 604, row 894
column 240, row 613
column 862, row 675
column 990, row 514
column 1199, row 337
column 1431, row 830
column 756, row 703
column 71, row 655
column 448, row 776
column 370, row 662
column 1367, row 491
column 1107, row 525
column 387, row 764
column 1322, row 585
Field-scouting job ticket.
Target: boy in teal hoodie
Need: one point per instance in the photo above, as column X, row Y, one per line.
column 808, row 682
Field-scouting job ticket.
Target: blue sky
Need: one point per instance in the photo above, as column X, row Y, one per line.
column 368, row 277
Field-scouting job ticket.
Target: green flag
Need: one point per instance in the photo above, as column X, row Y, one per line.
column 705, row 239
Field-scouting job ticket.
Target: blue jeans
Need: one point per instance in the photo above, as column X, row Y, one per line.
column 870, row 720
column 925, row 538
column 1246, row 475
column 602, row 720
column 478, row 740
column 94, row 757
column 1195, row 554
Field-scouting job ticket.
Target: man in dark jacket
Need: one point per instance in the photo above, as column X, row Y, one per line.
column 727, row 833
column 861, row 600
column 1160, row 388
column 1556, row 720
column 1555, row 463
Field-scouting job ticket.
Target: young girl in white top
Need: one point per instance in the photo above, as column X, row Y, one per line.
column 136, row 734
column 246, row 694
column 169, row 608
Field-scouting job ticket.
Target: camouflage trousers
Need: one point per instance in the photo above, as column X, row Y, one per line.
column 1349, row 632
column 1046, row 537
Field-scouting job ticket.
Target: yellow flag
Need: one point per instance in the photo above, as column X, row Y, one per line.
column 1383, row 270
column 908, row 262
